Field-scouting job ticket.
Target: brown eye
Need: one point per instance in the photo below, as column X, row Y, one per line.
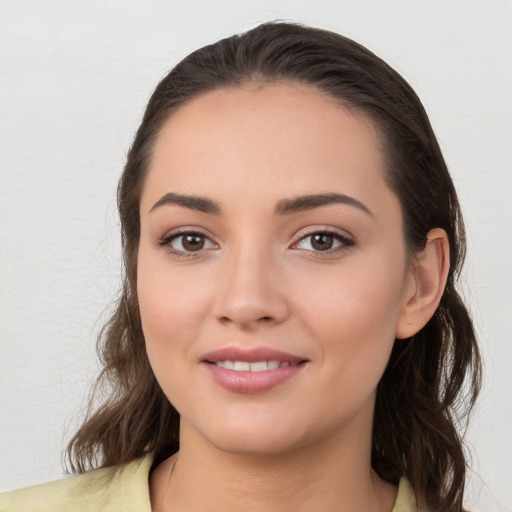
column 192, row 243
column 186, row 243
column 322, row 241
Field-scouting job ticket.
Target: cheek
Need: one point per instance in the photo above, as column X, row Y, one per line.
column 173, row 311
column 354, row 315
column 170, row 295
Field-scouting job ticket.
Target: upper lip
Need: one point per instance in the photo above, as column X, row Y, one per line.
column 251, row 355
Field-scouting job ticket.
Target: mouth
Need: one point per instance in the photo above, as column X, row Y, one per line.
column 255, row 370
column 256, row 366
column 256, row 359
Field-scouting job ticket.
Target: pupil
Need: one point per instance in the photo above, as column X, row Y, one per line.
column 322, row 242
column 193, row 242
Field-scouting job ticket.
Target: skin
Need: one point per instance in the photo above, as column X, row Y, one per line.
column 258, row 281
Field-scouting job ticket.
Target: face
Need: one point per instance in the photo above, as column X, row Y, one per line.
column 272, row 271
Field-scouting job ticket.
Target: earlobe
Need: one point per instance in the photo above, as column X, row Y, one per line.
column 428, row 280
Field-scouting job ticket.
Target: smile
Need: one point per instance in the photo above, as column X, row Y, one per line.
column 252, row 370
column 256, row 366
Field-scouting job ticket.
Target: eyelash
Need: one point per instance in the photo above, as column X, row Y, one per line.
column 345, row 242
column 166, row 240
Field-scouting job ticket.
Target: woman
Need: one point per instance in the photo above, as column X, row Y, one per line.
column 289, row 335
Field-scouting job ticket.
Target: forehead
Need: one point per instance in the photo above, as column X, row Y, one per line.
column 272, row 140
column 264, row 109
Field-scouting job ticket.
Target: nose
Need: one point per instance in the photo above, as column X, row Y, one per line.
column 251, row 292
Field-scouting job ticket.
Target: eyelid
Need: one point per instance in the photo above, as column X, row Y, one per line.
column 346, row 239
column 173, row 234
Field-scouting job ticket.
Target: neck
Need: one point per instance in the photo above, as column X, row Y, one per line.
column 325, row 477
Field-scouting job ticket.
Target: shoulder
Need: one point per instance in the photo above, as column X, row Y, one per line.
column 110, row 489
column 405, row 499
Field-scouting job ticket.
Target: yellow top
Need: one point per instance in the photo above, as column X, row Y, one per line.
column 119, row 488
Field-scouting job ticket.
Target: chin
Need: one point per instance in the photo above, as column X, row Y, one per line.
column 271, row 438
column 254, row 445
column 246, row 437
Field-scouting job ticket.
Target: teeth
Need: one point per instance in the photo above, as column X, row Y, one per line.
column 241, row 366
column 257, row 366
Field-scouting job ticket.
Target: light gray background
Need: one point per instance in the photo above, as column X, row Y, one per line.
column 74, row 79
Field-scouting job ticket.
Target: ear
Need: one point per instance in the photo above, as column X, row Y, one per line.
column 426, row 282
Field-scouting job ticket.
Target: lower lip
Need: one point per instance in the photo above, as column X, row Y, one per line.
column 252, row 382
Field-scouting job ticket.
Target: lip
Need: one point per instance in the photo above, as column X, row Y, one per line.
column 252, row 382
column 251, row 355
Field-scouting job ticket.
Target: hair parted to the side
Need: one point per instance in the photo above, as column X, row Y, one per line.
column 432, row 379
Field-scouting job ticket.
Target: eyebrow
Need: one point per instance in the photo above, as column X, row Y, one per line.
column 309, row 202
column 201, row 204
column 283, row 207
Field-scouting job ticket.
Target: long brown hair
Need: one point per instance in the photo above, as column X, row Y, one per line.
column 432, row 379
